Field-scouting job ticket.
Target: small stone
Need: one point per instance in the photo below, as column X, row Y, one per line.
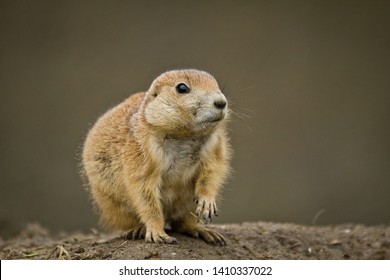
column 79, row 250
column 335, row 242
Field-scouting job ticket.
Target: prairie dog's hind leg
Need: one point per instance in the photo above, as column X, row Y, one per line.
column 113, row 214
column 189, row 225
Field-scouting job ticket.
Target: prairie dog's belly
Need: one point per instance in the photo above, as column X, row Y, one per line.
column 178, row 181
column 177, row 200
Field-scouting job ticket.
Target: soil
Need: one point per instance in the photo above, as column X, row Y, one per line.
column 258, row 240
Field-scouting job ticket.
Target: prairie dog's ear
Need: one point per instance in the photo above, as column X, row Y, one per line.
column 154, row 89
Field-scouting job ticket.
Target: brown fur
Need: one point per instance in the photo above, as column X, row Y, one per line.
column 149, row 158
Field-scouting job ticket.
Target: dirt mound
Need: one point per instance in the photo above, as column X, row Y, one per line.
column 244, row 241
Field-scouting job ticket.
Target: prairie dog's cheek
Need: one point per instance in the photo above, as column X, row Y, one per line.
column 155, row 113
column 163, row 112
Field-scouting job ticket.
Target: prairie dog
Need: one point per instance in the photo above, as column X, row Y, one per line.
column 160, row 157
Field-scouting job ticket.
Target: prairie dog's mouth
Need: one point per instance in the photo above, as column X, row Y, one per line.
column 208, row 121
column 215, row 117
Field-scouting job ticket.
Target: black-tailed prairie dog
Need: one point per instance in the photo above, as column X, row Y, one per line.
column 160, row 158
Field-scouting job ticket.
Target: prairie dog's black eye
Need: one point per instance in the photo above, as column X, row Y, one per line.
column 182, row 88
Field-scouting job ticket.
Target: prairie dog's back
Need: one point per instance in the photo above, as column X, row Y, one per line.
column 102, row 152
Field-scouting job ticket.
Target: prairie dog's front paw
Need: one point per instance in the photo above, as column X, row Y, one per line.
column 206, row 208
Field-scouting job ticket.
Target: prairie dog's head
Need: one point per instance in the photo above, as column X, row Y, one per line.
column 185, row 102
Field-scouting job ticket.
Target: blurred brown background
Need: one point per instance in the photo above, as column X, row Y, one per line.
column 310, row 80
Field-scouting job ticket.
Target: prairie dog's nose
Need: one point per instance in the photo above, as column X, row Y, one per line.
column 220, row 104
column 220, row 101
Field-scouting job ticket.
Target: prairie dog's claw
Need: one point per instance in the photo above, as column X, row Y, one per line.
column 159, row 237
column 205, row 209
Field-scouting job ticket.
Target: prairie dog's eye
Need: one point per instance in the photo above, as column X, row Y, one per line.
column 182, row 88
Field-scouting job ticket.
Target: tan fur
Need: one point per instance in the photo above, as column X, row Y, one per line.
column 149, row 158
